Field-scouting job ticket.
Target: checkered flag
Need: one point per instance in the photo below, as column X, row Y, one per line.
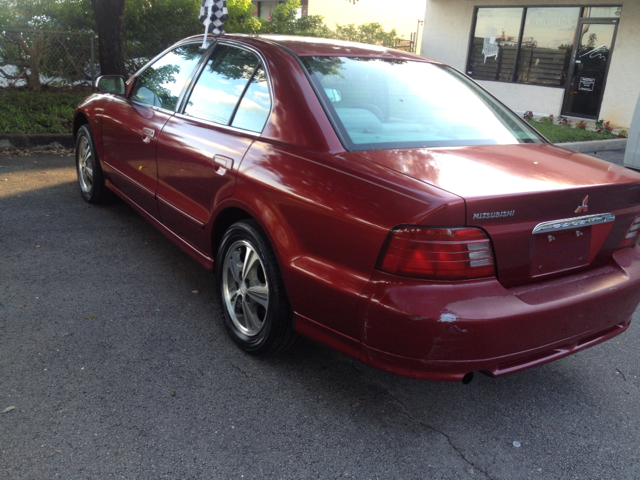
column 213, row 13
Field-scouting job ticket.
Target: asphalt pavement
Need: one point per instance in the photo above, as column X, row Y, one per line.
column 116, row 364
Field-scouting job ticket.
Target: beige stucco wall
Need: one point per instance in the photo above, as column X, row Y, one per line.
column 540, row 100
column 403, row 16
column 446, row 38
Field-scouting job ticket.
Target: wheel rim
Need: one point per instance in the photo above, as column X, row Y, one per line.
column 85, row 165
column 245, row 289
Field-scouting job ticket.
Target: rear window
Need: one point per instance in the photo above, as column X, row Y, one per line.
column 388, row 104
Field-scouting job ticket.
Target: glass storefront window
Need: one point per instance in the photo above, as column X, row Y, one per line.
column 602, row 12
column 547, row 42
column 493, row 52
column 527, row 45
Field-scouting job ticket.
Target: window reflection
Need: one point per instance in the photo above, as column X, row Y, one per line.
column 493, row 53
column 385, row 104
column 221, row 84
column 543, row 47
column 160, row 84
column 255, row 104
column 546, row 46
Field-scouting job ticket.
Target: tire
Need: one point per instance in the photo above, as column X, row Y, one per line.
column 90, row 176
column 253, row 302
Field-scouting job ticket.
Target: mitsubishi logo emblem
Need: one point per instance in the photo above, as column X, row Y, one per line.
column 584, row 207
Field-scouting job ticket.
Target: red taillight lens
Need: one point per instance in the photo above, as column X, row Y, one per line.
column 631, row 237
column 438, row 253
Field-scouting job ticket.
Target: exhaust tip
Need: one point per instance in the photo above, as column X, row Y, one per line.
column 466, row 380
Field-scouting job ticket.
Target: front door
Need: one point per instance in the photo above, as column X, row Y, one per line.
column 589, row 66
column 131, row 126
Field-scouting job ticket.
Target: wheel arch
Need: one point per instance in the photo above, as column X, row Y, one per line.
column 223, row 221
column 270, row 221
column 79, row 120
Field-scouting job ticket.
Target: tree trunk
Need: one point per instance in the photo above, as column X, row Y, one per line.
column 109, row 15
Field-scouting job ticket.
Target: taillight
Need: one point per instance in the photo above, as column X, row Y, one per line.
column 437, row 253
column 632, row 234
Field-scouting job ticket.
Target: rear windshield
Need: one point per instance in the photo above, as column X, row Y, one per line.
column 387, row 104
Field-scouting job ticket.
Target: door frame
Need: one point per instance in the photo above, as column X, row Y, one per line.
column 572, row 64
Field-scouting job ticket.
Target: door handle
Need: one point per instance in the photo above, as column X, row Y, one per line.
column 222, row 164
column 148, row 134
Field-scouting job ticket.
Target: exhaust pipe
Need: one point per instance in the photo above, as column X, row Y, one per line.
column 466, row 380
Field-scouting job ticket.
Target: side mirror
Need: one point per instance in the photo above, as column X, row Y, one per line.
column 111, row 84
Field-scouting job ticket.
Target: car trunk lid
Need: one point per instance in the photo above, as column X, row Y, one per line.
column 547, row 210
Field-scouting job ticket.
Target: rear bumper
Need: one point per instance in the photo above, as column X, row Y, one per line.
column 442, row 332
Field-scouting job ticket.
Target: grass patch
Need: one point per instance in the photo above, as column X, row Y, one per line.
column 565, row 133
column 47, row 111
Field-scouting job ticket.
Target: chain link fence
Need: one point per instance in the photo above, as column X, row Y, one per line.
column 32, row 58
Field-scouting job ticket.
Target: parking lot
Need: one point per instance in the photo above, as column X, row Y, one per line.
column 118, row 366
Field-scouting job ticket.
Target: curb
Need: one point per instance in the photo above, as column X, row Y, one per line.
column 36, row 141
column 595, row 145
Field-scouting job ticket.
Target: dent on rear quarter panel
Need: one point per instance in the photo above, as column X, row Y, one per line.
column 327, row 217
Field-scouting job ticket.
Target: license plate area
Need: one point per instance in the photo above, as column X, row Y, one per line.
column 560, row 250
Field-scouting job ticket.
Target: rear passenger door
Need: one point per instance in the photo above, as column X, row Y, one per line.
column 201, row 147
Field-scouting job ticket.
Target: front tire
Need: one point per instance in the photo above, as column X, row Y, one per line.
column 253, row 302
column 90, row 176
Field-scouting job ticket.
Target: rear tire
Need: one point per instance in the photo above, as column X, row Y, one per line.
column 90, row 176
column 253, row 302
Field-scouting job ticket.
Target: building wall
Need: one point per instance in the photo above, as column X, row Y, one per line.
column 446, row 37
column 343, row 12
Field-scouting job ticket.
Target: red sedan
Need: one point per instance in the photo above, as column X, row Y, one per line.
column 370, row 199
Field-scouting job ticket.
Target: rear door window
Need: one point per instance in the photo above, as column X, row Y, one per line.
column 232, row 90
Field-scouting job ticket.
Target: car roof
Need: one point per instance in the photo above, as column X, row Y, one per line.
column 307, row 46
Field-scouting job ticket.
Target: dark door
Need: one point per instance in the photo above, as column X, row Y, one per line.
column 589, row 66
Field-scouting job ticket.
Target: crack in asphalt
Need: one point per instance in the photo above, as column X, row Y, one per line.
column 406, row 413
column 246, row 374
column 623, row 375
column 434, row 429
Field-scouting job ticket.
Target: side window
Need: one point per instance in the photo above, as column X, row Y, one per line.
column 160, row 84
column 255, row 104
column 229, row 74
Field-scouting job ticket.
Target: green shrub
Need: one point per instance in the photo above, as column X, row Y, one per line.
column 47, row 111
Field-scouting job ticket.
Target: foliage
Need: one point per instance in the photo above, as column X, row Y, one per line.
column 31, row 52
column 241, row 19
column 565, row 133
column 603, row 126
column 371, row 33
column 283, row 21
column 564, row 121
column 150, row 27
column 547, row 120
column 47, row 111
column 68, row 15
column 313, row 26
